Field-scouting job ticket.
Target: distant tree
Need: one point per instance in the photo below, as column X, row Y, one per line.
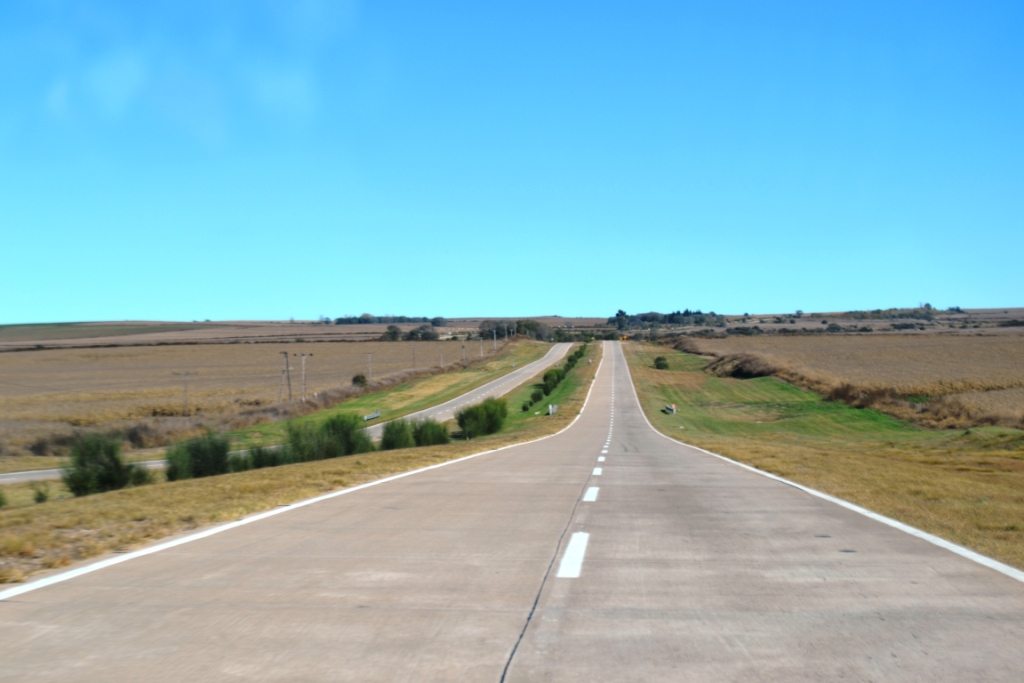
column 359, row 380
column 438, row 322
column 422, row 333
column 393, row 333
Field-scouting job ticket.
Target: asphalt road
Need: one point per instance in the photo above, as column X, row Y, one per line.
column 442, row 412
column 508, row 566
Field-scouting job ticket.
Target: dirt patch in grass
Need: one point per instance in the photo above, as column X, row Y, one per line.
column 965, row 485
column 36, row 537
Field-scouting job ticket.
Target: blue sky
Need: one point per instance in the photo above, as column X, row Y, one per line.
column 265, row 160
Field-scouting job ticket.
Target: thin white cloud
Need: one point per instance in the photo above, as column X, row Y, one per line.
column 57, row 99
column 115, row 82
column 289, row 92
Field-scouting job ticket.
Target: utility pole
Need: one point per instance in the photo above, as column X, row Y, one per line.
column 463, row 352
column 442, row 354
column 280, row 391
column 304, row 355
column 481, row 346
column 495, row 331
column 185, row 376
column 288, row 374
column 506, row 330
column 414, row 356
column 369, row 357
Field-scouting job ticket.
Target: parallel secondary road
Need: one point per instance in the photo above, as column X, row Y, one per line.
column 679, row 567
column 499, row 387
column 441, row 412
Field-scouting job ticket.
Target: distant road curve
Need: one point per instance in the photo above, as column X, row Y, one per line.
column 444, row 411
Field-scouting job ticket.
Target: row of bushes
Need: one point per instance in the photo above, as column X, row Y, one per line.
column 403, row 434
column 487, row 417
column 553, row 377
column 338, row 436
column 97, row 466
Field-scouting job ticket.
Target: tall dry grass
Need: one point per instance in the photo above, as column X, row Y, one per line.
column 945, row 381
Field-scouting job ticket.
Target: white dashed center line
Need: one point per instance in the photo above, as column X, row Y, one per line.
column 597, row 471
column 591, row 495
column 600, row 458
column 572, row 560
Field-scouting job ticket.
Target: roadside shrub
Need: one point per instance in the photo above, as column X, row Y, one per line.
column 397, row 434
column 337, row 436
column 40, row 491
column 264, row 457
column 430, row 433
column 483, row 418
column 359, row 380
column 551, row 379
column 537, row 396
column 139, row 476
column 348, row 432
column 139, row 435
column 240, row 463
column 661, row 363
column 204, row 456
column 526, row 406
column 3, row 499
column 96, row 466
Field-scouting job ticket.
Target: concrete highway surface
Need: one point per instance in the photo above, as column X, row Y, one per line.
column 442, row 412
column 538, row 562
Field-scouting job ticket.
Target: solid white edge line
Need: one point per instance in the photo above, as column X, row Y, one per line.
column 109, row 562
column 983, row 560
column 572, row 559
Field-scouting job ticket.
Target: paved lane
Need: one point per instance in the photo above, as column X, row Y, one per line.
column 499, row 387
column 680, row 566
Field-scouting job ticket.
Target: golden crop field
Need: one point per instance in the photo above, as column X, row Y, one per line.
column 983, row 375
column 48, row 390
column 1006, row 403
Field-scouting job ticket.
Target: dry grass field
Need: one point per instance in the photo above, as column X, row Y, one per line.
column 129, row 333
column 142, row 333
column 945, row 380
column 56, row 390
column 36, row 537
column 966, row 486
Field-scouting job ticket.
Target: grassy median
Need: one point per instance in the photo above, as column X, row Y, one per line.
column 35, row 537
column 963, row 485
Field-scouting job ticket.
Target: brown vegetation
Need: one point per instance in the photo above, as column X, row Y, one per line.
column 46, row 395
column 35, row 537
column 938, row 380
